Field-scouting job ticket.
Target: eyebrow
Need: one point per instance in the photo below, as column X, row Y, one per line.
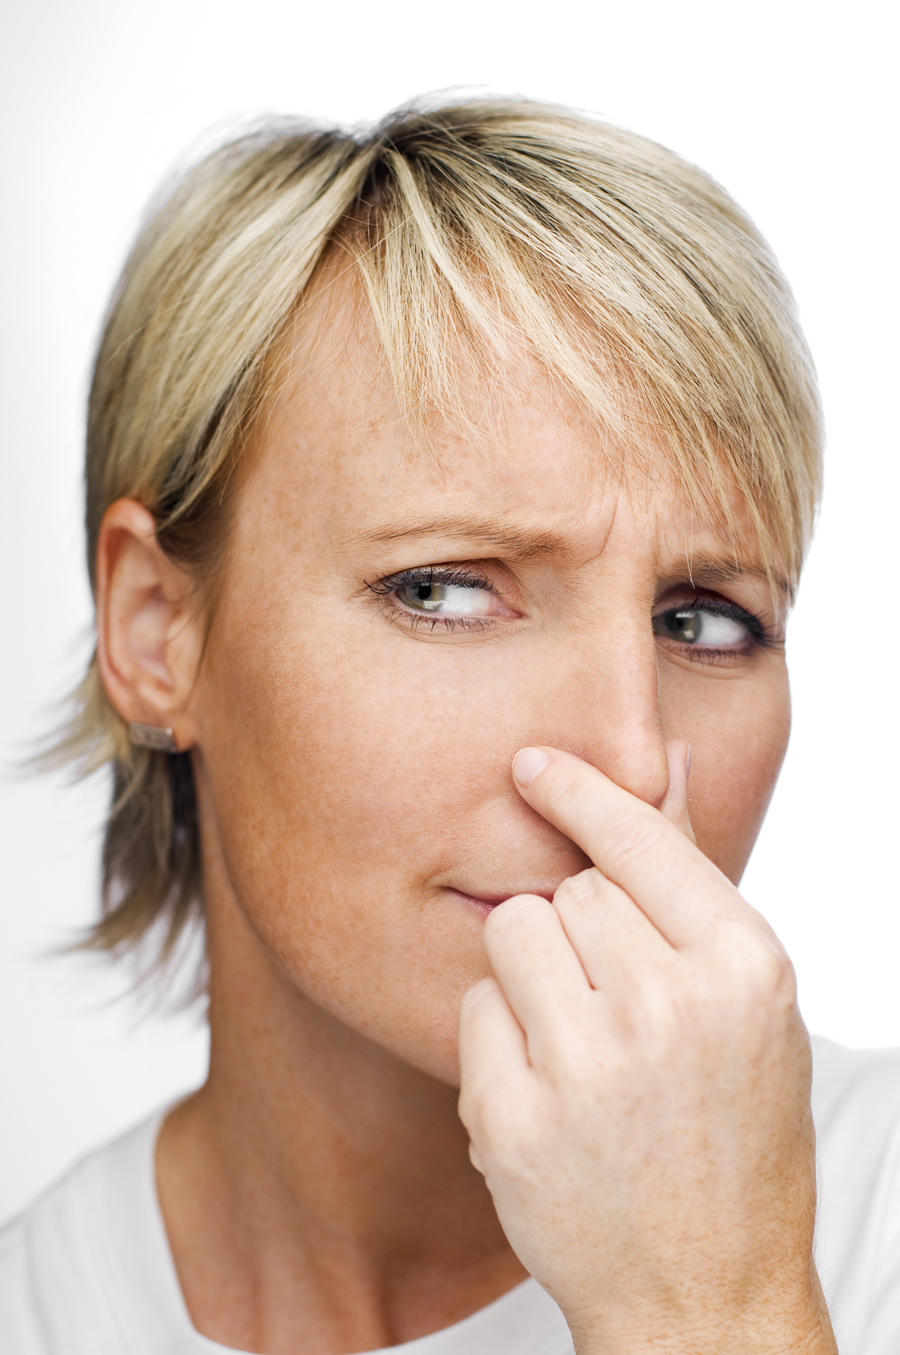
column 708, row 569
column 521, row 544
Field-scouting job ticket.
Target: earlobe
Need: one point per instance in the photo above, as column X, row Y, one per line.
column 147, row 641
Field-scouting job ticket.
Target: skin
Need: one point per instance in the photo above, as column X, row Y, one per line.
column 371, row 866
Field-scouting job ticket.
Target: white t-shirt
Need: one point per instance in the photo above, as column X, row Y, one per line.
column 87, row 1269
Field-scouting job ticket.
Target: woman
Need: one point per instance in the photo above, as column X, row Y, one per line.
column 447, row 491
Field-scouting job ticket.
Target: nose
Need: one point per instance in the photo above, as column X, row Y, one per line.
column 602, row 704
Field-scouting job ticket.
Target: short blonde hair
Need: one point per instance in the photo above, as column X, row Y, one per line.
column 619, row 265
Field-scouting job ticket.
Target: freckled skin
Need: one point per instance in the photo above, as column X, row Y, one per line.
column 353, row 774
column 352, row 766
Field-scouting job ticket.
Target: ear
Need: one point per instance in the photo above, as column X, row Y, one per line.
column 149, row 639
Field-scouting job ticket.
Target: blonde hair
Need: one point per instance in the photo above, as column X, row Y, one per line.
column 621, row 266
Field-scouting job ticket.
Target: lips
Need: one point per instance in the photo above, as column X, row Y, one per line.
column 485, row 902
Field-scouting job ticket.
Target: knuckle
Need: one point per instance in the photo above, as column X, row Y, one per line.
column 771, row 972
column 500, row 1121
column 585, row 885
column 563, row 787
column 757, row 967
column 631, row 835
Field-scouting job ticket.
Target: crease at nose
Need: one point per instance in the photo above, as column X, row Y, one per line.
column 613, row 722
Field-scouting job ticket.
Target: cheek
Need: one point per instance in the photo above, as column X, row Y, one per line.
column 738, row 730
column 342, row 782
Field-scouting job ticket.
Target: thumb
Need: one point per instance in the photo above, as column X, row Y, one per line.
column 675, row 804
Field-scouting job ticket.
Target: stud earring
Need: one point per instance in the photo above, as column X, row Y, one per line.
column 152, row 736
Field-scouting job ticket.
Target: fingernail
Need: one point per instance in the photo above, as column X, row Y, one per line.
column 687, row 764
column 527, row 763
column 474, row 994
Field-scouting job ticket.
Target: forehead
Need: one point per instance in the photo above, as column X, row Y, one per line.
column 517, row 452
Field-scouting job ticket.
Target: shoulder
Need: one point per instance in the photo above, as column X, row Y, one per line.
column 57, row 1259
column 847, row 1080
column 856, row 1108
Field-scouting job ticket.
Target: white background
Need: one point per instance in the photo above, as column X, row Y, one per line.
column 789, row 104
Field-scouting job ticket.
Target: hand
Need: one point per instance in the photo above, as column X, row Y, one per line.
column 636, row 1084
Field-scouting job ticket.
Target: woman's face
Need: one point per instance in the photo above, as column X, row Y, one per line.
column 397, row 617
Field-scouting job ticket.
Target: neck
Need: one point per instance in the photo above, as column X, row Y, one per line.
column 317, row 1191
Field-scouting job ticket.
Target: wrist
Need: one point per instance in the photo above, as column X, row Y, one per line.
column 770, row 1329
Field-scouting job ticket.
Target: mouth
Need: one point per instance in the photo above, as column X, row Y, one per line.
column 484, row 903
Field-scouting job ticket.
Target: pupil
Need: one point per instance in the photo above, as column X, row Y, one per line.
column 429, row 596
column 687, row 624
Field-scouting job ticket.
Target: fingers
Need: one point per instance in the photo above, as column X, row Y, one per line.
column 616, row 943
column 493, row 1060
column 634, row 845
column 675, row 806
column 552, row 961
column 540, row 974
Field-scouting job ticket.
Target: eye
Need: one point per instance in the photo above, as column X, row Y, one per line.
column 442, row 597
column 431, row 598
column 709, row 627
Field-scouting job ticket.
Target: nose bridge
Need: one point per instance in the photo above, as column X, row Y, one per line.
column 610, row 713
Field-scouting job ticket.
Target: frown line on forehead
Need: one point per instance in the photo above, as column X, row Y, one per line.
column 521, row 543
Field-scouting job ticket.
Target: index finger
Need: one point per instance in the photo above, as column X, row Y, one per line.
column 633, row 844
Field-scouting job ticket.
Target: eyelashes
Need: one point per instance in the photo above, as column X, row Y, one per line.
column 704, row 627
column 702, row 622
column 441, row 598
column 428, row 577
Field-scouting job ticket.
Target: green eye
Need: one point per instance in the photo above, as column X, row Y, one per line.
column 697, row 626
column 424, row 597
column 452, row 600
